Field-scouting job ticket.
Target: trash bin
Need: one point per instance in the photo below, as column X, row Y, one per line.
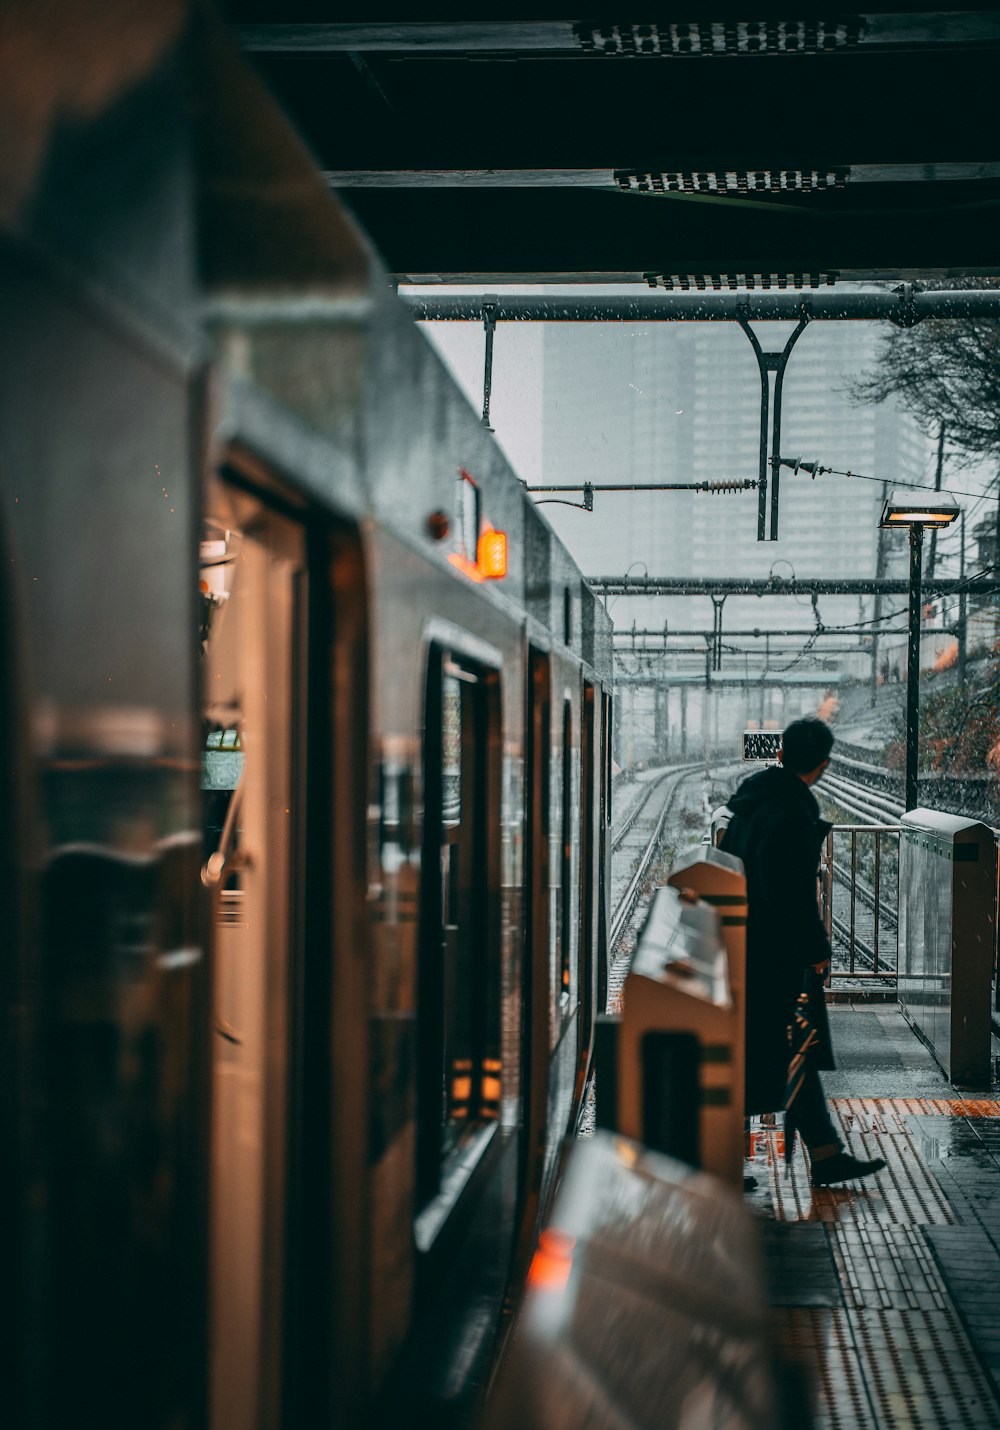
column 947, row 913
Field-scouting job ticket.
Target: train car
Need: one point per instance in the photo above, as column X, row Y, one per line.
column 307, row 790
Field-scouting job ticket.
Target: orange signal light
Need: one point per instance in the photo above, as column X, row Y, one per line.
column 552, row 1262
column 491, row 556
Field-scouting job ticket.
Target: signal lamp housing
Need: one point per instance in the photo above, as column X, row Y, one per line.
column 491, row 556
column 912, row 509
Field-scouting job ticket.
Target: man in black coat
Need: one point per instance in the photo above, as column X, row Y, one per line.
column 777, row 832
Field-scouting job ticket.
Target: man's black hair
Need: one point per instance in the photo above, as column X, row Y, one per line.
column 804, row 745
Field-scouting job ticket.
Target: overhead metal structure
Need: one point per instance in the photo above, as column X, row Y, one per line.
column 775, row 586
column 728, row 147
column 905, row 306
column 697, row 38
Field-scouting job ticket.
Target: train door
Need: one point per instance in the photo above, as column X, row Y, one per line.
column 285, row 768
column 535, row 1024
column 255, row 592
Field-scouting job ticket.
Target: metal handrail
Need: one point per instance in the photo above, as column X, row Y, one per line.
column 872, row 896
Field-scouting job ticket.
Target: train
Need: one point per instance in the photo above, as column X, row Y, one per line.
column 307, row 793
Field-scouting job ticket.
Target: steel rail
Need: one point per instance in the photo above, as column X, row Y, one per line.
column 860, row 800
column 863, row 948
column 866, row 894
column 619, row 837
column 626, row 904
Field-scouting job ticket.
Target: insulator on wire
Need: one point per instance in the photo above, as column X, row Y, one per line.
column 732, row 486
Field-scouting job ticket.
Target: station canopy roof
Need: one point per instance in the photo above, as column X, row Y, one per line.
column 724, row 148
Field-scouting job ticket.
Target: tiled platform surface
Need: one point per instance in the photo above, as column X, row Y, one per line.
column 886, row 1293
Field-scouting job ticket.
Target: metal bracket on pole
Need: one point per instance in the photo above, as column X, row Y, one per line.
column 489, row 323
column 717, row 604
column 907, row 314
column 768, row 363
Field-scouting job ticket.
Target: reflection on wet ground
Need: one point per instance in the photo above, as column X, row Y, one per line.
column 885, row 1294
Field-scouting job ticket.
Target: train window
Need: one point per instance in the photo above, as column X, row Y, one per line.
column 459, row 990
column 608, row 742
column 586, row 884
column 566, row 856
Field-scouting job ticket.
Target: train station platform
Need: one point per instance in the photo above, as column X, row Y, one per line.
column 885, row 1294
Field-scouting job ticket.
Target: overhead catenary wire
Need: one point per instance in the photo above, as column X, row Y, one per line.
column 814, row 470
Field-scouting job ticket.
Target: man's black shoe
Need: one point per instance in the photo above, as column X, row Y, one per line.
column 842, row 1167
column 749, row 1183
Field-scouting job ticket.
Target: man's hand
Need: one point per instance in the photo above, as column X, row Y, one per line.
column 822, row 968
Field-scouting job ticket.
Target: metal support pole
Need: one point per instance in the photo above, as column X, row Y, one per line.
column 962, row 609
column 938, row 473
column 631, row 728
column 489, row 323
column 717, row 604
column 913, row 667
column 704, row 709
column 766, row 364
column 877, row 605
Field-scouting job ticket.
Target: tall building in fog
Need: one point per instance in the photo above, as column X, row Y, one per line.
column 681, row 402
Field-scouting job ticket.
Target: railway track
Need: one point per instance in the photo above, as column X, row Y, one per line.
column 969, row 795
column 865, row 893
column 878, row 809
column 627, row 902
column 866, row 804
column 621, row 834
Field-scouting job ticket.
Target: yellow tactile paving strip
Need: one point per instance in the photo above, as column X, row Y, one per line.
column 893, row 1355
column 819, row 1345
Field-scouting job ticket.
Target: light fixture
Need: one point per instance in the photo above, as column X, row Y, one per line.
column 491, row 558
column 906, row 509
column 914, row 513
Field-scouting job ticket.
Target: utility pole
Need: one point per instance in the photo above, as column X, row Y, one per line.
column 961, row 633
column 913, row 668
column 631, row 729
column 704, row 709
column 877, row 607
column 932, row 556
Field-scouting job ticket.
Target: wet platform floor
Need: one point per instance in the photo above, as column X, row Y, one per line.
column 885, row 1294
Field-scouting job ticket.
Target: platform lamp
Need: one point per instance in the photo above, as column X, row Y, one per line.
column 911, row 509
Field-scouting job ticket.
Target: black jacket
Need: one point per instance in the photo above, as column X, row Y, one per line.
column 777, row 831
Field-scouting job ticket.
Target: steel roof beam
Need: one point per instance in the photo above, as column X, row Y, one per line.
column 740, row 586
column 697, row 677
column 684, row 42
column 903, row 306
column 615, row 180
column 624, row 636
